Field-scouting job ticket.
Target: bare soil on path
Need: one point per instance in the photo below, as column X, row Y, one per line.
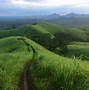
column 26, row 82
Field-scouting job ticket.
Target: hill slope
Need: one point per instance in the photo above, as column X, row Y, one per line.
column 79, row 50
column 39, row 29
column 14, row 54
column 48, row 70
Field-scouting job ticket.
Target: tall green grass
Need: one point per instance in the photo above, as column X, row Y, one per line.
column 11, row 68
column 49, row 71
column 78, row 50
column 52, row 72
column 12, row 63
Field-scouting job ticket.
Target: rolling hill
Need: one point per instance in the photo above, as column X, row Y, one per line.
column 37, row 29
column 48, row 71
column 13, row 56
column 78, row 50
column 77, row 34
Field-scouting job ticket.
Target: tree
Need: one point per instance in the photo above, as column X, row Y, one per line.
column 63, row 40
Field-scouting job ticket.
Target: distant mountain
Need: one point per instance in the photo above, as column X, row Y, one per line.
column 71, row 15
column 71, row 19
column 76, row 15
column 54, row 15
column 48, row 17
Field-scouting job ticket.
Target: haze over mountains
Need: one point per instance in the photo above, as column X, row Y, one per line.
column 71, row 19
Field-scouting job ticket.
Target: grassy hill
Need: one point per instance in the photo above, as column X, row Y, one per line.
column 12, row 45
column 36, row 28
column 41, row 28
column 77, row 34
column 50, row 27
column 78, row 50
column 13, row 56
column 85, row 29
column 48, row 70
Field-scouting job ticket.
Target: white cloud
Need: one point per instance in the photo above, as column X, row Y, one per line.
column 43, row 6
column 28, row 2
column 51, row 3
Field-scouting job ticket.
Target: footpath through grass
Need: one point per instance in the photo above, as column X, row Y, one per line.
column 14, row 55
column 49, row 71
column 52, row 72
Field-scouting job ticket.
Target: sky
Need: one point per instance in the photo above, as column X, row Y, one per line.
column 42, row 7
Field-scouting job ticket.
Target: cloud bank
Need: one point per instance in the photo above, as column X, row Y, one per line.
column 43, row 6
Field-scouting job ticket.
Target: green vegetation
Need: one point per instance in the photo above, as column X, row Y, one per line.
column 47, row 33
column 48, row 70
column 77, row 34
column 52, row 72
column 78, row 50
column 86, row 30
column 51, row 28
column 45, row 28
column 13, row 56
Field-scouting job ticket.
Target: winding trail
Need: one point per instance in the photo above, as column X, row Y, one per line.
column 26, row 80
column 26, row 84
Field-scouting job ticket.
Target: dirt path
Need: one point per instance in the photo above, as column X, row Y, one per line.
column 25, row 83
column 26, row 80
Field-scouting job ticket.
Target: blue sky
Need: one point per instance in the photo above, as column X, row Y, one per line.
column 43, row 7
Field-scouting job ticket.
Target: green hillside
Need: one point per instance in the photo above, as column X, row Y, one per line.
column 77, row 34
column 37, row 29
column 33, row 30
column 86, row 30
column 50, row 27
column 13, row 32
column 78, row 50
column 48, row 70
column 12, row 45
column 13, row 57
